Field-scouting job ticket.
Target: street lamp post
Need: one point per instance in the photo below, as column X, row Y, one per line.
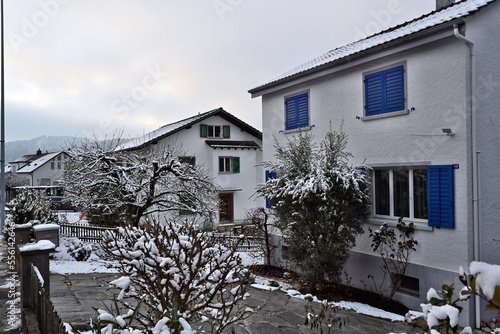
column 2, row 129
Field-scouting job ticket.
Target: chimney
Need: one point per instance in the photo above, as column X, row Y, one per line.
column 440, row 4
column 38, row 152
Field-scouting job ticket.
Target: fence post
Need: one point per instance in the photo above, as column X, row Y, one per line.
column 22, row 236
column 38, row 255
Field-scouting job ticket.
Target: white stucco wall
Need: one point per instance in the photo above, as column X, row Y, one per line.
column 436, row 92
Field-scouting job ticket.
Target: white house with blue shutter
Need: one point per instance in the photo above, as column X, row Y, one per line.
column 419, row 103
column 229, row 149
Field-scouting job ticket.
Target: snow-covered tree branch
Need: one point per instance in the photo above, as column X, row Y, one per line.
column 180, row 271
column 129, row 185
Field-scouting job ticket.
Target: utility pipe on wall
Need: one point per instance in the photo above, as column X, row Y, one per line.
column 475, row 165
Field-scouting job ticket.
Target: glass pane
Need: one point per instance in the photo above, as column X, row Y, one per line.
column 401, row 183
column 382, row 192
column 420, row 193
column 211, row 131
column 227, row 162
column 217, row 131
column 221, row 164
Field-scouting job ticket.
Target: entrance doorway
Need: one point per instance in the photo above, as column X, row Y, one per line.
column 225, row 207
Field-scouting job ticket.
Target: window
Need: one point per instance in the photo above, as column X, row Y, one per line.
column 425, row 193
column 229, row 164
column 385, row 91
column 269, row 175
column 53, row 164
column 409, row 285
column 188, row 160
column 44, row 182
column 401, row 192
column 215, row 131
column 297, row 111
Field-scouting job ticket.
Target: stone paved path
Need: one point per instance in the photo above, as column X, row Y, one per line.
column 75, row 296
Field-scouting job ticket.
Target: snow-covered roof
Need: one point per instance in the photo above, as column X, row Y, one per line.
column 37, row 163
column 453, row 12
column 172, row 128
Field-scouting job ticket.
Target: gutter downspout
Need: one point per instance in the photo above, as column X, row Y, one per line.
column 475, row 164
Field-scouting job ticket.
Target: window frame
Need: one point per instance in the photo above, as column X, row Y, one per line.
column 224, row 131
column 296, row 124
column 234, row 164
column 411, row 191
column 367, row 115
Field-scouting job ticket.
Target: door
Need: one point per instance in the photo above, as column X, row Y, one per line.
column 225, row 207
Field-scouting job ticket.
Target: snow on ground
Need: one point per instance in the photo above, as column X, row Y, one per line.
column 63, row 263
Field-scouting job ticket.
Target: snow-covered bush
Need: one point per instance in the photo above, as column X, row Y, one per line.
column 442, row 310
column 28, row 205
column 395, row 250
column 79, row 250
column 320, row 202
column 179, row 272
column 113, row 321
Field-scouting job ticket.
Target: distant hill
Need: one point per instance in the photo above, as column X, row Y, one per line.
column 16, row 149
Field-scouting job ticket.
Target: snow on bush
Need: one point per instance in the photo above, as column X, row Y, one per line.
column 320, row 202
column 442, row 310
column 180, row 272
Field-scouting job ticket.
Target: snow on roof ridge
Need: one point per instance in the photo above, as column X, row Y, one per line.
column 457, row 10
column 163, row 130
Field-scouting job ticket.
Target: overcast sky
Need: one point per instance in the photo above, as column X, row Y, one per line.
column 77, row 67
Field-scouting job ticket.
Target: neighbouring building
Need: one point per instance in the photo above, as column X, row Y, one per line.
column 229, row 149
column 43, row 171
column 419, row 103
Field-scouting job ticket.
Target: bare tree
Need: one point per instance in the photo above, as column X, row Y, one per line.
column 132, row 184
column 257, row 227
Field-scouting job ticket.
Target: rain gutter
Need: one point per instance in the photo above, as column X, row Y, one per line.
column 475, row 164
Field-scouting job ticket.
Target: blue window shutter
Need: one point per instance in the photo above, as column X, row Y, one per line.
column 441, row 196
column 269, row 175
column 297, row 111
column 384, row 91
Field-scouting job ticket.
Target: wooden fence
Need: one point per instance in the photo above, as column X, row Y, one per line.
column 46, row 316
column 84, row 232
column 94, row 234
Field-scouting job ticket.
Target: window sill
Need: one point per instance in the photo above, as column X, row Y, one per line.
column 392, row 222
column 305, row 128
column 385, row 115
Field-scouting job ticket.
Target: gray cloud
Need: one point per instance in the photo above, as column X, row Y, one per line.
column 74, row 67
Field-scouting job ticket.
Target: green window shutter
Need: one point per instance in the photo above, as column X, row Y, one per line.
column 226, row 131
column 236, row 164
column 203, row 130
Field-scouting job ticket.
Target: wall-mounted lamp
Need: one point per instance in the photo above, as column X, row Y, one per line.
column 448, row 132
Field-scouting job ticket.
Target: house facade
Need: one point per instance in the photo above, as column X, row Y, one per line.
column 419, row 105
column 43, row 171
column 229, row 150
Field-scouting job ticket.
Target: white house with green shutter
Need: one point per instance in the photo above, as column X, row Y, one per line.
column 419, row 103
column 229, row 149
